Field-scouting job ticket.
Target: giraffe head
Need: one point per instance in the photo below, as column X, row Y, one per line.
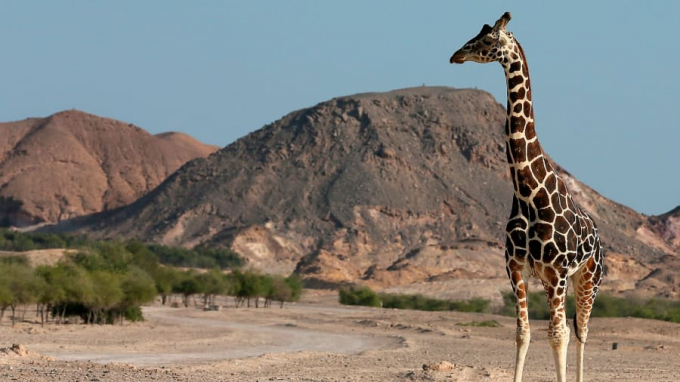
column 491, row 44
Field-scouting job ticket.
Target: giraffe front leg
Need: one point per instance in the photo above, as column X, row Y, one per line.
column 523, row 335
column 558, row 331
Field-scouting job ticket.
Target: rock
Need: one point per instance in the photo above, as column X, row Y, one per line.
column 19, row 349
column 441, row 366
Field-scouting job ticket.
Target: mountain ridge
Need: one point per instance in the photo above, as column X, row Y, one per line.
column 386, row 189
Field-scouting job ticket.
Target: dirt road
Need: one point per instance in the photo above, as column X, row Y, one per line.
column 253, row 341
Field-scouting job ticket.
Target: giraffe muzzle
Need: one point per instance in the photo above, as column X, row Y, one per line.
column 457, row 58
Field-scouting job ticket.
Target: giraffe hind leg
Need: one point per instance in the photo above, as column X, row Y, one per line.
column 586, row 283
column 576, row 330
column 584, row 302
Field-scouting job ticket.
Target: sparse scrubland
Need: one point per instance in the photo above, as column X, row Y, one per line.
column 108, row 281
column 605, row 305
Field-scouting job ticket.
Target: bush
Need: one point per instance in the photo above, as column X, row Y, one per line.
column 358, row 295
column 165, row 279
column 658, row 309
column 486, row 324
column 19, row 259
column 198, row 257
column 295, row 284
column 365, row 296
column 419, row 302
column 137, row 287
column 133, row 314
column 477, row 305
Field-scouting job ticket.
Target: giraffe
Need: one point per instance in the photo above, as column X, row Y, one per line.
column 547, row 235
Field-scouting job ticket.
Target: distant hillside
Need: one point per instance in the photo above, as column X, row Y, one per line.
column 387, row 189
column 73, row 163
column 667, row 226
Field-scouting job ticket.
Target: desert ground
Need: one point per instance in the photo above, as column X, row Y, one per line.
column 317, row 339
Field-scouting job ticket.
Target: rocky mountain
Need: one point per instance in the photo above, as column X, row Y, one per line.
column 667, row 227
column 405, row 189
column 73, row 163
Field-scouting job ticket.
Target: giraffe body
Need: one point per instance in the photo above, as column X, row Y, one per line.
column 547, row 235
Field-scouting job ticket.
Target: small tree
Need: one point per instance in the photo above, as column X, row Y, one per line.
column 142, row 256
column 107, row 294
column 22, row 243
column 114, row 254
column 295, row 284
column 6, row 298
column 232, row 283
column 211, row 284
column 78, row 286
column 166, row 278
column 138, row 288
column 278, row 290
column 48, row 240
column 265, row 286
column 250, row 286
column 187, row 287
column 234, row 286
column 23, row 286
column 53, row 292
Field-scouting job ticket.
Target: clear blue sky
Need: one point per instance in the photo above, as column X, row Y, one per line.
column 605, row 75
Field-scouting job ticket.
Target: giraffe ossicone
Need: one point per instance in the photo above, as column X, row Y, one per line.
column 547, row 235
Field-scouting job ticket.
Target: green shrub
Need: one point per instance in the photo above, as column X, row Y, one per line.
column 133, row 314
column 198, row 257
column 295, row 284
column 365, row 296
column 478, row 305
column 397, row 301
column 658, row 309
column 19, row 259
column 419, row 302
column 486, row 324
column 359, row 295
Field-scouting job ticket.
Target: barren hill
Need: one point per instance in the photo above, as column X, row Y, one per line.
column 667, row 226
column 73, row 163
column 408, row 187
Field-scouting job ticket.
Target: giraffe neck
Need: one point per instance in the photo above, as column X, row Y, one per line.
column 528, row 165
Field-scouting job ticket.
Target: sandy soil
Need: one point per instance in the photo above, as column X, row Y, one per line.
column 319, row 340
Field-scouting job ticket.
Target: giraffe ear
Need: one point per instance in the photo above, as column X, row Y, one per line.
column 503, row 21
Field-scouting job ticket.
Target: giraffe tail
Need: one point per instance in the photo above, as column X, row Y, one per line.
column 576, row 328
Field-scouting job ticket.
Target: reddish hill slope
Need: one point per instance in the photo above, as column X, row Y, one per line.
column 73, row 163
